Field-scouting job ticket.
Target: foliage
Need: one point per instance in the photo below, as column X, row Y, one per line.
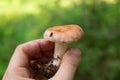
column 26, row 20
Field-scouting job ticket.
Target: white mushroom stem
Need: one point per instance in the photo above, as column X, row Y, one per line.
column 60, row 49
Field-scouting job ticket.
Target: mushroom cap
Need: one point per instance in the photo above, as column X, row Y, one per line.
column 64, row 34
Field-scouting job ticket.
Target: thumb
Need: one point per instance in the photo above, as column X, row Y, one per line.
column 68, row 66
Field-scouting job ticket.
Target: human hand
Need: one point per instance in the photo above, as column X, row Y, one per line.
column 27, row 54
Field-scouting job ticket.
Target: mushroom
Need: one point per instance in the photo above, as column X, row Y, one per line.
column 61, row 36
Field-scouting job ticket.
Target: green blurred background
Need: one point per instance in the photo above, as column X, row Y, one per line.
column 25, row 20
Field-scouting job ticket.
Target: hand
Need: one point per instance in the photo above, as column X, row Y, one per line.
column 26, row 54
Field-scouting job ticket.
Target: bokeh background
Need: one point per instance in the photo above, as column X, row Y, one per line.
column 25, row 20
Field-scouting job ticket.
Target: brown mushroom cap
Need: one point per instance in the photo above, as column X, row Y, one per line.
column 65, row 34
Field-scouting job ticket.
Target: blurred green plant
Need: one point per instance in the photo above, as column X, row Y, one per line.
column 25, row 20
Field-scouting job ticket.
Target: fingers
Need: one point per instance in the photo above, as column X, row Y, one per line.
column 20, row 62
column 34, row 49
column 68, row 66
column 19, row 65
column 30, row 50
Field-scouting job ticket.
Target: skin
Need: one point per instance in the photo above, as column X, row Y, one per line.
column 40, row 51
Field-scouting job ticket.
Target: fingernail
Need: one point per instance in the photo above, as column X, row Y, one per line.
column 75, row 52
